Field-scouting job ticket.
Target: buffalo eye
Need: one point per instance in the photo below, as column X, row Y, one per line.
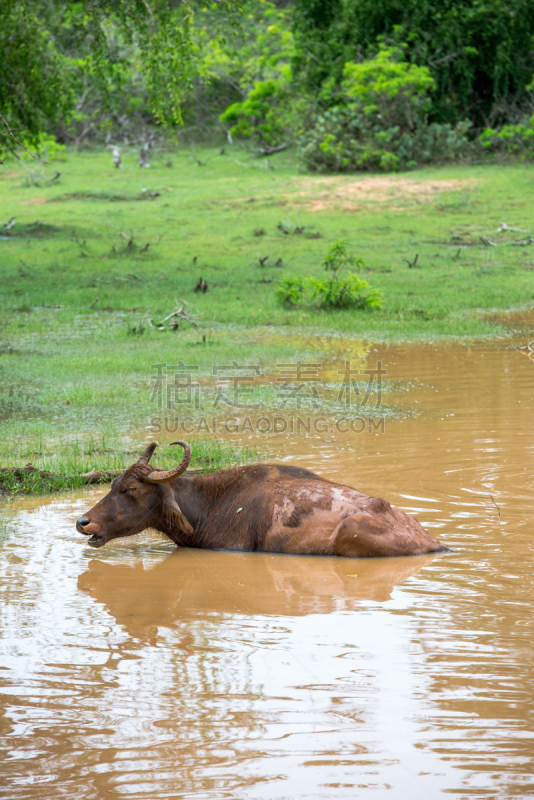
column 129, row 489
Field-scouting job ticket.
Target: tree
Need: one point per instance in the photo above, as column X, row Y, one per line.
column 480, row 52
column 39, row 74
column 33, row 89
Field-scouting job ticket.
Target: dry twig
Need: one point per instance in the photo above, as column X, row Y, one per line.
column 497, row 507
column 181, row 314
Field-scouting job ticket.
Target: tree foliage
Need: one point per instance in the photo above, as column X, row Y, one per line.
column 386, row 84
column 270, row 110
column 48, row 49
column 264, row 115
column 34, row 91
column 479, row 52
column 381, row 120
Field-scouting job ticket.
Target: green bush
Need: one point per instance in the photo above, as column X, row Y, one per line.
column 351, row 292
column 382, row 123
column 389, row 88
column 290, row 291
column 513, row 139
column 348, row 140
column 266, row 115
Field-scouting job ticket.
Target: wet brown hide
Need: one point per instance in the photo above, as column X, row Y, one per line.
column 263, row 507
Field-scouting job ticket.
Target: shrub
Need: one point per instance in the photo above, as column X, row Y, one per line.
column 338, row 256
column 262, row 115
column 387, row 87
column 290, row 291
column 351, row 292
column 513, row 139
column 272, row 114
column 347, row 140
column 382, row 124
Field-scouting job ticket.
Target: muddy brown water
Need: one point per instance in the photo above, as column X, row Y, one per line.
column 140, row 671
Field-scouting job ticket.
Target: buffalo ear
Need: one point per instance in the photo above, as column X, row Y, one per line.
column 173, row 513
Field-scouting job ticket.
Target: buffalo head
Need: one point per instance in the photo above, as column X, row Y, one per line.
column 139, row 498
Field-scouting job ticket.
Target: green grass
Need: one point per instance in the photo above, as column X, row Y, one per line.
column 83, row 238
column 60, row 465
column 80, row 289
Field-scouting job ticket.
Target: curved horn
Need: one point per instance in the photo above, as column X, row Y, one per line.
column 163, row 476
column 149, row 452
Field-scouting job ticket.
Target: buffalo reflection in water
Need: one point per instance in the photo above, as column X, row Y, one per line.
column 193, row 583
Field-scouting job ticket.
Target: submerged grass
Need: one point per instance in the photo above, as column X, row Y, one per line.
column 87, row 272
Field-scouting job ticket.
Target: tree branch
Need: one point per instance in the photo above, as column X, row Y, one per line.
column 10, row 131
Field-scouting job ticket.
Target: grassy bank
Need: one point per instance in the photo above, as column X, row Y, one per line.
column 60, row 465
column 97, row 232
column 97, row 257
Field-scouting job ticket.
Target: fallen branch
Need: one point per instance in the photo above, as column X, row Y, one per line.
column 504, row 227
column 101, row 476
column 172, row 320
column 522, row 242
column 486, row 241
column 267, row 150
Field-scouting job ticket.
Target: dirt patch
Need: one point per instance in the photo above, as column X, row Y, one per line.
column 12, row 173
column 35, row 201
column 352, row 195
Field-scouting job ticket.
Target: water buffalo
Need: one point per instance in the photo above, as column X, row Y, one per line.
column 263, row 507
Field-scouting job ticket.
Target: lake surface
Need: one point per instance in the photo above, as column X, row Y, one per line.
column 141, row 671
